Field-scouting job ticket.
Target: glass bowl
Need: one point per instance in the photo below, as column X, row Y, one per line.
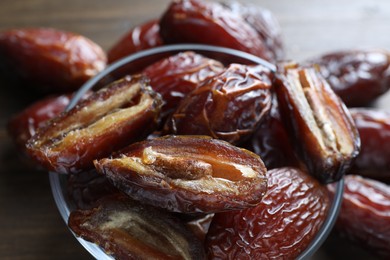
column 135, row 63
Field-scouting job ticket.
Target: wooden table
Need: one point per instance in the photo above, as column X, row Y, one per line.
column 30, row 225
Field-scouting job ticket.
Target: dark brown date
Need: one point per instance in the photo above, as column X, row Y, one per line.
column 188, row 174
column 128, row 230
column 115, row 116
column 365, row 213
column 86, row 188
column 141, row 37
column 266, row 25
column 373, row 160
column 200, row 226
column 323, row 132
column 280, row 227
column 199, row 21
column 357, row 76
column 177, row 75
column 229, row 106
column 271, row 141
column 50, row 59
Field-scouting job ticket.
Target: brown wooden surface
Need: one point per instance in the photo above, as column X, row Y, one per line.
column 30, row 225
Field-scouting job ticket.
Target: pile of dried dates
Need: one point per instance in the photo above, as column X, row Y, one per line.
column 194, row 158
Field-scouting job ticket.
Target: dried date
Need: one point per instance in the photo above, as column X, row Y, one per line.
column 365, row 213
column 357, row 76
column 266, row 25
column 229, row 106
column 323, row 132
column 141, row 37
column 51, row 59
column 174, row 77
column 188, row 174
column 86, row 188
column 123, row 112
column 373, row 160
column 126, row 229
column 280, row 227
column 22, row 126
column 198, row 21
column 271, row 141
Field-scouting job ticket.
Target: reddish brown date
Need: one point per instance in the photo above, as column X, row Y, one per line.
column 176, row 76
column 115, row 116
column 188, row 174
column 141, row 37
column 206, row 22
column 374, row 130
column 128, row 230
column 86, row 188
column 365, row 213
column 357, row 76
column 323, row 132
column 53, row 60
column 280, row 227
column 266, row 25
column 23, row 125
column 271, row 141
column 229, row 106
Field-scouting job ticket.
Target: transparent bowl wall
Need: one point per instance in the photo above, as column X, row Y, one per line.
column 134, row 64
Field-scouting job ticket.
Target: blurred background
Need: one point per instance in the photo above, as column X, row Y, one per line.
column 30, row 225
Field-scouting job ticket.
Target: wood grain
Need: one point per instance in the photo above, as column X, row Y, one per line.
column 30, row 225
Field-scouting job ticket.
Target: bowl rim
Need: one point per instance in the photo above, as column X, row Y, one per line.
column 57, row 180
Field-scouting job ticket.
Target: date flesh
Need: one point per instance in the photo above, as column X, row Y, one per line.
column 373, row 160
column 52, row 60
column 177, row 75
column 357, row 76
column 229, row 106
column 323, row 132
column 109, row 119
column 198, row 21
column 188, row 174
column 128, row 230
column 280, row 227
column 365, row 213
column 142, row 37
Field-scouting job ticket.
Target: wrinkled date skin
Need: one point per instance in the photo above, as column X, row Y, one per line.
column 54, row 61
column 109, row 119
column 142, row 37
column 374, row 130
column 357, row 76
column 323, row 132
column 271, row 141
column 86, row 188
column 188, row 174
column 266, row 25
column 126, row 229
column 197, row 21
column 229, row 106
column 177, row 75
column 280, row 227
column 365, row 213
